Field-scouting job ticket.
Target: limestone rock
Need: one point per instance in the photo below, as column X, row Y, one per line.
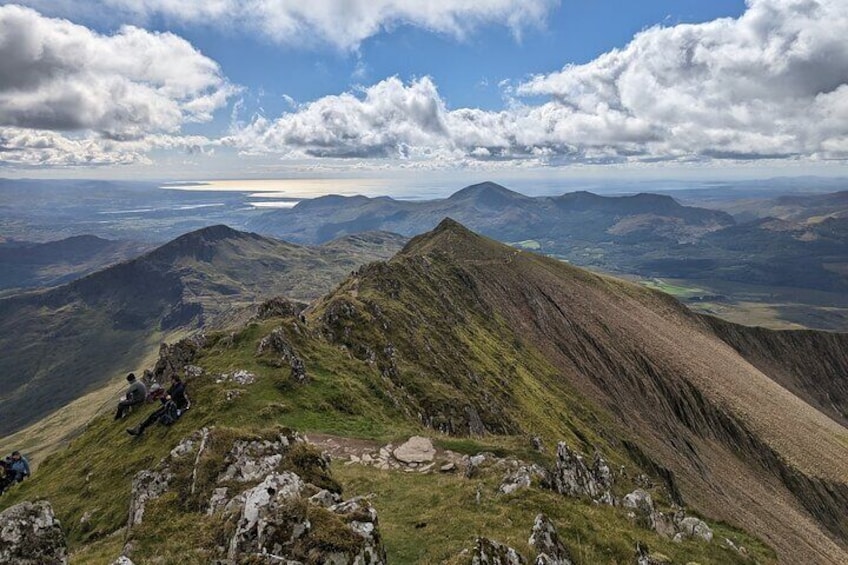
column 545, row 540
column 31, row 535
column 416, row 450
column 489, row 552
column 572, row 477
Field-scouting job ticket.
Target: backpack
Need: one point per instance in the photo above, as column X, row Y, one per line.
column 170, row 415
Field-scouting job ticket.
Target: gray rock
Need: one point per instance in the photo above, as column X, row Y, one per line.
column 519, row 478
column 252, row 460
column 545, row 540
column 325, row 498
column 640, row 501
column 489, row 552
column 417, row 449
column 691, row 527
column 146, row 486
column 572, row 477
column 31, row 535
column 123, row 560
column 276, row 344
column 265, row 518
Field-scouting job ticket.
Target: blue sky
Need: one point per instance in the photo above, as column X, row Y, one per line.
column 262, row 88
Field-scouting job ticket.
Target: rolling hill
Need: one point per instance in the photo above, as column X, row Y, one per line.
column 65, row 341
column 482, row 347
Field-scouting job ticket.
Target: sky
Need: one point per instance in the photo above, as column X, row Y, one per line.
column 256, row 89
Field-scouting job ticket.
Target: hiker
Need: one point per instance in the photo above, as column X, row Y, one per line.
column 5, row 475
column 173, row 405
column 17, row 467
column 136, row 394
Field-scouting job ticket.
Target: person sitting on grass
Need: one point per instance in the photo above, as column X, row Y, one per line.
column 136, row 394
column 18, row 466
column 173, row 405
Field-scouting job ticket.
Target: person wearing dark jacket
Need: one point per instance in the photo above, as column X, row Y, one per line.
column 173, row 405
column 18, row 466
column 136, row 394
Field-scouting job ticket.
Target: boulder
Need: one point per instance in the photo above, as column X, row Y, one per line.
column 640, row 501
column 489, row 552
column 417, row 449
column 545, row 540
column 691, row 527
column 31, row 535
column 572, row 477
column 123, row 560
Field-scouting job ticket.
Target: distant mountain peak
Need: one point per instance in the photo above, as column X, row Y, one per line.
column 488, row 193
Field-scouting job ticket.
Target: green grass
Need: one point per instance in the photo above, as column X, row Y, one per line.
column 432, row 518
column 356, row 391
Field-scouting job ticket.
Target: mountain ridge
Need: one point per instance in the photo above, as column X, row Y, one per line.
column 633, row 351
column 75, row 336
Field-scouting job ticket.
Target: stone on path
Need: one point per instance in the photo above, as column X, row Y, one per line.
column 416, row 450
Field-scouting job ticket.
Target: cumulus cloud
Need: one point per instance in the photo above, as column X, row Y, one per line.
column 59, row 76
column 341, row 23
column 770, row 84
column 28, row 148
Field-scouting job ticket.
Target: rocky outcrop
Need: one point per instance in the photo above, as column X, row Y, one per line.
column 691, row 527
column 572, row 477
column 545, row 540
column 519, row 476
column 676, row 525
column 261, row 495
column 173, row 358
column 31, row 535
column 489, row 552
column 281, row 354
column 278, row 307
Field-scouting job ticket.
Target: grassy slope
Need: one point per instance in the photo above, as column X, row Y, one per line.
column 71, row 340
column 94, row 473
column 426, row 338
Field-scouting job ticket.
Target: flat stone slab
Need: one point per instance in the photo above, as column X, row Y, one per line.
column 416, row 450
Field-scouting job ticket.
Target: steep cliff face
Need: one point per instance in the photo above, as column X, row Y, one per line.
column 737, row 443
column 811, row 364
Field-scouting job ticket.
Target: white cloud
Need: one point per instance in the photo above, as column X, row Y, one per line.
column 28, row 148
column 341, row 23
column 56, row 75
column 772, row 83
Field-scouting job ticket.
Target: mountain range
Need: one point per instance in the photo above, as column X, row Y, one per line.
column 31, row 265
column 62, row 342
column 648, row 235
column 483, row 346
